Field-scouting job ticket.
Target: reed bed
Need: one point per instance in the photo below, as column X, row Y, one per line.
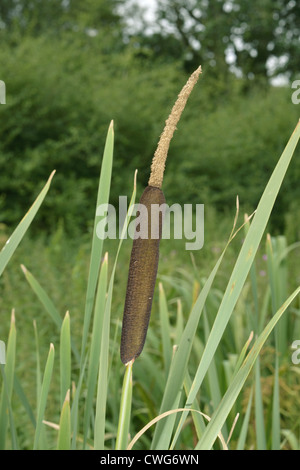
column 197, row 387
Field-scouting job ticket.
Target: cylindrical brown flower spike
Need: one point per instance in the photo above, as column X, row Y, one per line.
column 141, row 278
column 145, row 251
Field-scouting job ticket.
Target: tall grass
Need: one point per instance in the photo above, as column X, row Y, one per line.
column 186, row 386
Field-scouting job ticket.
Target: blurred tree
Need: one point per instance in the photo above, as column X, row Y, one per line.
column 250, row 38
column 38, row 16
column 266, row 36
column 201, row 28
column 95, row 14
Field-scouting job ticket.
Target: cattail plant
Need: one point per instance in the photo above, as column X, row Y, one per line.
column 179, row 387
column 144, row 262
column 145, row 250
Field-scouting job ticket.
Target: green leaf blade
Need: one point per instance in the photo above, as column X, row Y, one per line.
column 16, row 237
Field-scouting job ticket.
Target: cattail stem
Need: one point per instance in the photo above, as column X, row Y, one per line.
column 160, row 155
column 125, row 409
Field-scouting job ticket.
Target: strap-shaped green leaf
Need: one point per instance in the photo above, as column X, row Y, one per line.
column 14, row 240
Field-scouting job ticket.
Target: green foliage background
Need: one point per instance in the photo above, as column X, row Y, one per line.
column 64, row 87
column 71, row 67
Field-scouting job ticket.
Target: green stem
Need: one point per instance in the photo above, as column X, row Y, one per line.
column 125, row 409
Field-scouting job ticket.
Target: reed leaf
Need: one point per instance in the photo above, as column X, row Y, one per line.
column 2, row 352
column 221, row 413
column 94, row 353
column 243, row 265
column 162, row 437
column 8, row 372
column 97, row 241
column 43, row 396
column 125, row 410
column 47, row 303
column 43, row 435
column 165, row 329
column 42, row 296
column 261, row 442
column 16, row 237
column 65, row 358
column 64, row 433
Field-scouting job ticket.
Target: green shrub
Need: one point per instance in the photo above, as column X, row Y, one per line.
column 58, row 106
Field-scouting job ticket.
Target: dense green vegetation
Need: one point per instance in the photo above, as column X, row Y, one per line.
column 64, row 88
column 72, row 67
column 62, row 273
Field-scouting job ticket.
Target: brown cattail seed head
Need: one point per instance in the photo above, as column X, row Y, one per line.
column 142, row 277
